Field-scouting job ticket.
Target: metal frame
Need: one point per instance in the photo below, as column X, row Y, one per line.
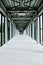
column 1, row 28
column 12, row 9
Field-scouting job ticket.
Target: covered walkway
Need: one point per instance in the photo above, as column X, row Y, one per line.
column 21, row 50
column 21, row 32
column 21, row 17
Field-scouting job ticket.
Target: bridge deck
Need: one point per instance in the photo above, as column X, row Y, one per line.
column 21, row 50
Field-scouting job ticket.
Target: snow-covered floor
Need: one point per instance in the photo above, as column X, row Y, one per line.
column 21, row 50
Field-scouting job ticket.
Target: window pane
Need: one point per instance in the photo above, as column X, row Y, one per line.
column 8, row 30
column 31, row 30
column 42, row 28
column 0, row 29
column 11, row 30
column 35, row 30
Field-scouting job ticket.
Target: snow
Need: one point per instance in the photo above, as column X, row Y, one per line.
column 21, row 50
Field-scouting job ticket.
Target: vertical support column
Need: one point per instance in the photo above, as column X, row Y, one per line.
column 13, row 30
column 38, row 31
column 5, row 30
column 12, row 27
column 30, row 30
column 33, row 30
column 41, row 29
column 10, row 30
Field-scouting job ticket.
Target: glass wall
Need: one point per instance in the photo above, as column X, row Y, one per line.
column 35, row 30
column 11, row 30
column 42, row 27
column 8, row 30
column 0, row 29
column 3, row 29
column 31, row 30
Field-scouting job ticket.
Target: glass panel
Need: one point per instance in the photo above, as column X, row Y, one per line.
column 31, row 30
column 8, row 30
column 35, row 30
column 42, row 28
column 0, row 29
column 11, row 30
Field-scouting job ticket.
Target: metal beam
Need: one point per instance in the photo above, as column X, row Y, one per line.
column 20, row 8
column 21, row 18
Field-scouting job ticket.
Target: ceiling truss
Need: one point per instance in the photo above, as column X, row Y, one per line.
column 22, row 10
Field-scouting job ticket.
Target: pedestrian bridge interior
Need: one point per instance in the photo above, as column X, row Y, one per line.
column 21, row 32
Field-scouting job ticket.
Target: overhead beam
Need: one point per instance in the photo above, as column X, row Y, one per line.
column 15, row 17
column 20, row 8
column 30, row 11
column 41, row 7
column 21, row 18
column 2, row 6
